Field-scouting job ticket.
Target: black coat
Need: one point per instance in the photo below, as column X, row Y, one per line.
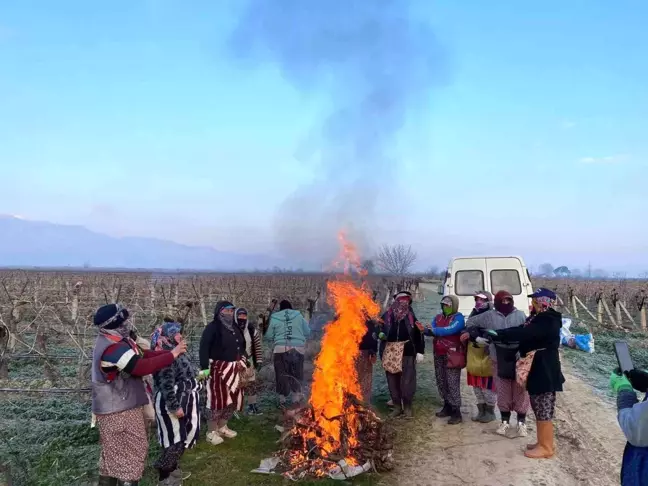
column 370, row 340
column 219, row 343
column 540, row 334
column 405, row 331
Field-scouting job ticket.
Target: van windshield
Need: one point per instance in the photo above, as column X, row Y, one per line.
column 469, row 282
column 508, row 280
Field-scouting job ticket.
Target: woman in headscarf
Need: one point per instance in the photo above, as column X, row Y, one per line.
column 446, row 328
column 483, row 386
column 404, row 348
column 366, row 360
column 119, row 396
column 511, row 397
column 222, row 358
column 176, row 405
column 540, row 335
column 288, row 331
column 254, row 356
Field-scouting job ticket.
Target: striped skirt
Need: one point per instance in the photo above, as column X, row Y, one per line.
column 174, row 430
column 225, row 387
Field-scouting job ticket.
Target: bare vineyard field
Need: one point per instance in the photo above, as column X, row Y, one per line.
column 46, row 339
column 46, row 317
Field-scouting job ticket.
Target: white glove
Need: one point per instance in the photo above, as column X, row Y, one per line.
column 481, row 340
column 419, row 358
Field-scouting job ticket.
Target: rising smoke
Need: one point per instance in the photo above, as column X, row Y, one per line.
column 376, row 65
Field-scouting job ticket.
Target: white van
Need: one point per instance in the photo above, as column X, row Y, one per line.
column 468, row 275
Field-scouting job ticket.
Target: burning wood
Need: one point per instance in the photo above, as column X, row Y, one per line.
column 307, row 449
column 336, row 434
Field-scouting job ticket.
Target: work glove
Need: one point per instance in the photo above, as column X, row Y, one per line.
column 619, row 382
column 493, row 336
column 382, row 336
column 639, row 380
column 419, row 358
column 203, row 374
column 481, row 340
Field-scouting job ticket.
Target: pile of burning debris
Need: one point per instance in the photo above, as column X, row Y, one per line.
column 365, row 444
column 337, row 435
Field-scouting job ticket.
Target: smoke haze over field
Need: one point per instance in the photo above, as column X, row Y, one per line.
column 376, row 66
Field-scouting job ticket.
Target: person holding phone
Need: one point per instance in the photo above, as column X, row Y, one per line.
column 177, row 398
column 633, row 420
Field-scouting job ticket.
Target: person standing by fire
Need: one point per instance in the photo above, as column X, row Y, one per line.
column 288, row 331
column 222, row 359
column 366, row 360
column 511, row 396
column 254, row 355
column 449, row 356
column 404, row 347
column 119, row 396
column 538, row 340
column 177, row 409
column 483, row 385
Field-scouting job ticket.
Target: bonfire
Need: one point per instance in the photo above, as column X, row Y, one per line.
column 337, row 434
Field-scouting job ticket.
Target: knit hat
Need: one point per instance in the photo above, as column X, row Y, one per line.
column 111, row 316
column 285, row 304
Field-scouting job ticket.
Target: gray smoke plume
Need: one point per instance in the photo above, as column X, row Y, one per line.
column 377, row 65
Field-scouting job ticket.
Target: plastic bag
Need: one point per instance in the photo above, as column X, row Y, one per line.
column 478, row 362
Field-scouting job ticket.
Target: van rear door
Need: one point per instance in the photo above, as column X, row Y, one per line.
column 509, row 273
column 467, row 276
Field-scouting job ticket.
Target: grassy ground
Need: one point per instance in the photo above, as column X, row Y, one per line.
column 49, row 442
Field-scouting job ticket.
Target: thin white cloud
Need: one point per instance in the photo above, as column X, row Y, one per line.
column 610, row 159
column 567, row 124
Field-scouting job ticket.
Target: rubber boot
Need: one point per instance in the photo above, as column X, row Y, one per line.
column 446, row 411
column 545, row 447
column 481, row 409
column 489, row 414
column 455, row 416
column 107, row 481
column 408, row 412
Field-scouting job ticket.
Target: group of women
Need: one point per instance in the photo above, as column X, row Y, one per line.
column 522, row 353
column 230, row 351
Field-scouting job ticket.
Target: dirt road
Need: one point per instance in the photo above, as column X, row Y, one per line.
column 589, row 443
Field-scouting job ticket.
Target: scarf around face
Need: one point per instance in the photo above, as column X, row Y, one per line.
column 163, row 338
column 400, row 308
column 544, row 303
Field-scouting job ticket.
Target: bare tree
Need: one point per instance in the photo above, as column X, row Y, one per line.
column 396, row 259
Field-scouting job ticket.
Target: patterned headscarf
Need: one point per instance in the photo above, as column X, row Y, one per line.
column 545, row 303
column 163, row 337
column 400, row 307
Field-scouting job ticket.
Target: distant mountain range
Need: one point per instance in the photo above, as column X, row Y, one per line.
column 26, row 243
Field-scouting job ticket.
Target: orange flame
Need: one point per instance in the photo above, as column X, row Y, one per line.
column 335, row 374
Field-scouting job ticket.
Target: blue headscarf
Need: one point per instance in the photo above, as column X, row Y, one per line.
column 163, row 337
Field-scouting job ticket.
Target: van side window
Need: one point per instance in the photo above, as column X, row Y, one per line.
column 469, row 282
column 508, row 280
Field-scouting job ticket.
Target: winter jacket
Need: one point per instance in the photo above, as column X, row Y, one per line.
column 447, row 329
column 175, row 380
column 218, row 343
column 405, row 330
column 633, row 419
column 542, row 335
column 288, row 328
column 369, row 340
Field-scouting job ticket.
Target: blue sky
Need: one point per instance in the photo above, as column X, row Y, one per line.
column 133, row 118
